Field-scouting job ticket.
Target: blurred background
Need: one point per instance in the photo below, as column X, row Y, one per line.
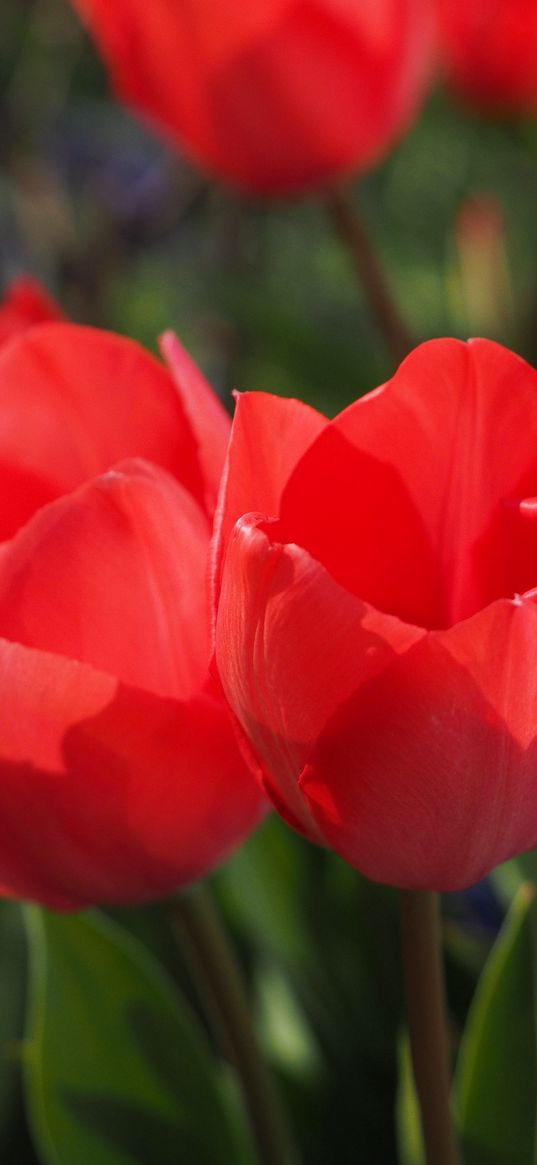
column 128, row 236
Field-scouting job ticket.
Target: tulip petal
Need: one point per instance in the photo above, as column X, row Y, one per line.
column 268, row 437
column 23, row 493
column 109, row 794
column 75, row 400
column 290, row 646
column 26, row 304
column 132, row 36
column 219, row 29
column 113, row 575
column 425, row 776
column 488, row 53
column 209, row 422
column 289, row 138
column 429, row 458
column 250, row 88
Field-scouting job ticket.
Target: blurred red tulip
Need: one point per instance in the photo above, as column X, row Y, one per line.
column 277, row 96
column 120, row 778
column 489, row 52
column 377, row 633
column 26, row 304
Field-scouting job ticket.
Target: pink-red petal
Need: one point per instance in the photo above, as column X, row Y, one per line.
column 291, row 645
column 209, row 423
column 402, row 497
column 109, row 794
column 26, row 304
column 73, row 401
column 425, row 777
column 268, row 437
column 113, row 575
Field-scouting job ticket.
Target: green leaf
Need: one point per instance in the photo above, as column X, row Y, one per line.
column 509, row 877
column 496, row 1082
column 264, row 887
column 117, row 1071
column 12, row 992
column 332, row 937
column 409, row 1134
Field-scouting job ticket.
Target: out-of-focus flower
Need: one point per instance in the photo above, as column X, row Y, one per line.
column 377, row 626
column 484, row 283
column 489, row 52
column 26, row 304
column 277, row 96
column 120, row 778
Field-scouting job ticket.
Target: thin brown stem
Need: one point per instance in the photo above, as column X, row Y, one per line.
column 219, row 983
column 357, row 239
column 426, row 1016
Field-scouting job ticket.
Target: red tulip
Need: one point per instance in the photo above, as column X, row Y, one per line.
column 26, row 304
column 377, row 626
column 120, row 778
column 275, row 95
column 489, row 51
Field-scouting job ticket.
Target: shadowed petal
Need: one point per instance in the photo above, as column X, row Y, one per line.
column 113, row 575
column 425, row 777
column 109, row 794
column 291, row 645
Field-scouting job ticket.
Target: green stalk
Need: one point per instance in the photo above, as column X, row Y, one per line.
column 427, row 1026
column 357, row 240
column 218, row 981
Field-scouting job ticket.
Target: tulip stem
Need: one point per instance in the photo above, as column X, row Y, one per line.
column 219, row 983
column 426, row 1017
column 356, row 238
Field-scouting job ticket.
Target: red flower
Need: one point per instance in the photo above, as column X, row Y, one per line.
column 275, row 95
column 489, row 51
column 120, row 777
column 377, row 632
column 26, row 304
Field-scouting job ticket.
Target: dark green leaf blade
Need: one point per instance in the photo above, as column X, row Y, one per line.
column 12, row 994
column 496, row 1082
column 117, row 1071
